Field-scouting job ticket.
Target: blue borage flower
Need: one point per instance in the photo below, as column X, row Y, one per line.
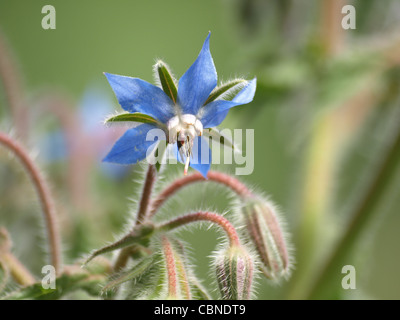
column 183, row 110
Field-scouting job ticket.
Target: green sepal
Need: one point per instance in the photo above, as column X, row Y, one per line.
column 136, row 271
column 159, row 153
column 222, row 139
column 166, row 79
column 150, row 284
column 228, row 90
column 198, row 291
column 133, row 117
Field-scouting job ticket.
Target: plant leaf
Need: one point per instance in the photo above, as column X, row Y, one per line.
column 139, row 235
column 66, row 283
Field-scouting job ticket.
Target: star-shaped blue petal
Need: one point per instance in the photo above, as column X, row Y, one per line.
column 194, row 90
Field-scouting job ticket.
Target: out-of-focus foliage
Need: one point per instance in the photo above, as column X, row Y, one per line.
column 327, row 105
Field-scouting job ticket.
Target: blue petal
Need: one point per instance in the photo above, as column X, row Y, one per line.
column 133, row 145
column 136, row 95
column 212, row 114
column 213, row 120
column 197, row 83
column 201, row 156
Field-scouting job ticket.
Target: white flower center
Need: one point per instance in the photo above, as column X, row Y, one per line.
column 183, row 129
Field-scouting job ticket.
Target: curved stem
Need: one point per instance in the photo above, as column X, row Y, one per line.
column 234, row 184
column 11, row 79
column 45, row 198
column 79, row 159
column 204, row 216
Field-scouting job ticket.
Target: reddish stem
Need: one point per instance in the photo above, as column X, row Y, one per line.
column 146, row 193
column 171, row 268
column 10, row 76
column 205, row 216
column 45, row 198
column 219, row 177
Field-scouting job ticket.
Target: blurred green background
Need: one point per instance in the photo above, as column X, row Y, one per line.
column 325, row 110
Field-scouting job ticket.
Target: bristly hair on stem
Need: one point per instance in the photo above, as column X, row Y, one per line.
column 11, row 80
column 222, row 178
column 203, row 216
column 45, row 198
column 150, row 179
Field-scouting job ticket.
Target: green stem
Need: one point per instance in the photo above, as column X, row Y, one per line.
column 150, row 179
column 362, row 212
column 11, row 264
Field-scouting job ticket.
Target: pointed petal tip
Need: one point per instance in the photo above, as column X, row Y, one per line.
column 207, row 41
column 107, row 159
column 198, row 81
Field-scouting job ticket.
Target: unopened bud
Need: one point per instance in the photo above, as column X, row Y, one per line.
column 180, row 281
column 265, row 232
column 234, row 267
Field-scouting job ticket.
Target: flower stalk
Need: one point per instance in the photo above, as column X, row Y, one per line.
column 150, row 179
column 11, row 80
column 203, row 216
column 222, row 178
column 45, row 198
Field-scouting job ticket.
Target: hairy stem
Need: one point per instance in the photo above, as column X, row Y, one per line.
column 79, row 157
column 234, row 184
column 146, row 194
column 150, row 179
column 44, row 195
column 171, row 268
column 18, row 271
column 204, row 216
column 10, row 78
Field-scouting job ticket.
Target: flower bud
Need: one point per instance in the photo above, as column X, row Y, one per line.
column 234, row 268
column 165, row 274
column 265, row 233
column 180, row 281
